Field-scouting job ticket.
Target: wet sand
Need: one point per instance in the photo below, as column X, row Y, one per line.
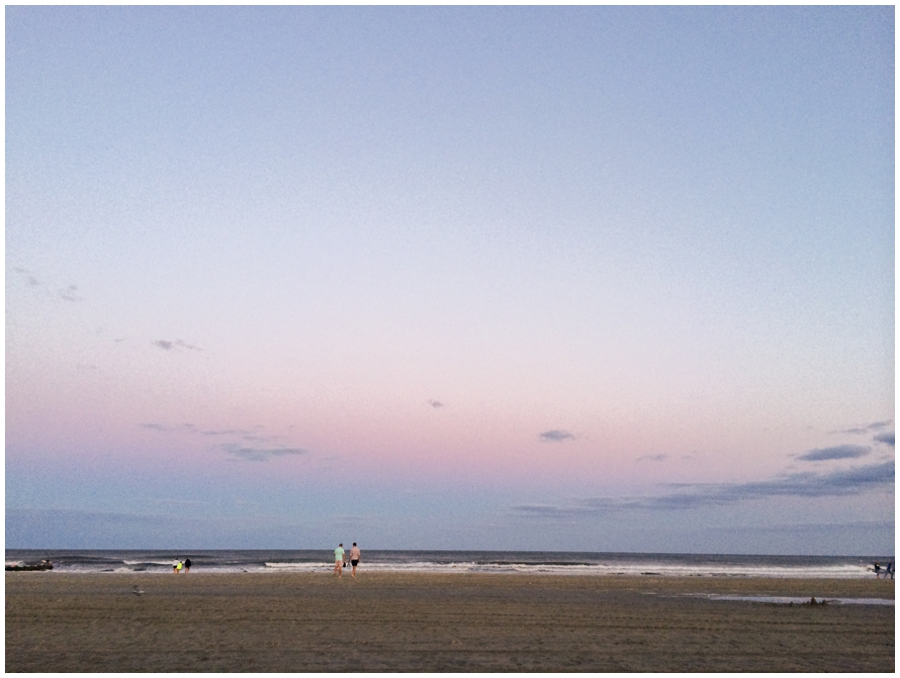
column 255, row 622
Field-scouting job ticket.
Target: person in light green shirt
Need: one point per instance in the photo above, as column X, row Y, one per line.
column 338, row 560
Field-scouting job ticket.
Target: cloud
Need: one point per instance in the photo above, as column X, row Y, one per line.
column 868, row 428
column 262, row 454
column 166, row 345
column 837, row 452
column 436, row 403
column 687, row 496
column 249, row 435
column 837, row 483
column 653, row 457
column 260, row 439
column 550, row 511
column 29, row 277
column 182, row 428
column 226, row 432
column 556, row 436
column 887, row 438
column 70, row 293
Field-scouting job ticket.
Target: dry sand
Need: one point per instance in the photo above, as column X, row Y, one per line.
column 432, row 622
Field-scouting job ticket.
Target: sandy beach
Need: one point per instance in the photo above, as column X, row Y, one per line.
column 434, row 622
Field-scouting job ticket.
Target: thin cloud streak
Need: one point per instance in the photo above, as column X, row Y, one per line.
column 556, row 436
column 688, row 496
column 262, row 454
column 252, row 435
column 875, row 426
column 227, row 432
column 162, row 428
column 29, row 277
column 69, row 293
column 837, row 452
column 653, row 457
column 173, row 345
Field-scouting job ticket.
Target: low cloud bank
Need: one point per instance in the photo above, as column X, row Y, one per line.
column 696, row 495
column 887, row 438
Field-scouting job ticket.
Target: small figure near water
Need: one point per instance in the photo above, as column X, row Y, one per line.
column 354, row 559
column 187, row 565
column 338, row 560
column 877, row 570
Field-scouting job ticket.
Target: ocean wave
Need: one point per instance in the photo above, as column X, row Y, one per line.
column 643, row 569
column 298, row 567
column 786, row 600
column 496, row 562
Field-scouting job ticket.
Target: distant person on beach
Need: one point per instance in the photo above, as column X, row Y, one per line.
column 175, row 566
column 877, row 570
column 889, row 570
column 338, row 560
column 187, row 565
column 179, row 567
column 354, row 559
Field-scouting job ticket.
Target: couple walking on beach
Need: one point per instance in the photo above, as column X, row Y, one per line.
column 889, row 570
column 339, row 560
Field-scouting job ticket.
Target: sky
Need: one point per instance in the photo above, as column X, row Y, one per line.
column 525, row 278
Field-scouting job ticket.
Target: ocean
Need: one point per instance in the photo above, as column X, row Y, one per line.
column 501, row 562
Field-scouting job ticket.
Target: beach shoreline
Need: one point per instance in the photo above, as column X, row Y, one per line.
column 480, row 562
column 440, row 622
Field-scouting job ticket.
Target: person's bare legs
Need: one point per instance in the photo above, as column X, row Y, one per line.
column 338, row 564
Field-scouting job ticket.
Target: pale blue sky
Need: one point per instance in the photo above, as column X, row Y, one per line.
column 580, row 278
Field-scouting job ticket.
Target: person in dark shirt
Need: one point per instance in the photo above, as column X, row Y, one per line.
column 354, row 559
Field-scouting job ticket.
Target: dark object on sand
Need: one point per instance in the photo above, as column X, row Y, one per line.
column 43, row 565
